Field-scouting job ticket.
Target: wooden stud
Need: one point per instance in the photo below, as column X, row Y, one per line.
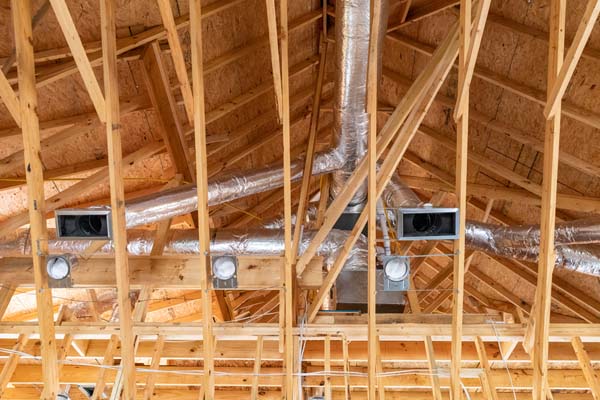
column 161, row 97
column 159, row 345
column 310, row 149
column 462, row 133
column 202, row 184
column 586, row 366
column 541, row 319
column 10, row 99
column 275, row 62
column 486, row 378
column 11, row 364
column 257, row 363
column 21, row 11
column 117, row 193
column 65, row 20
column 566, row 70
column 288, row 284
column 483, row 7
column 345, row 356
column 168, row 20
column 372, row 84
column 327, row 366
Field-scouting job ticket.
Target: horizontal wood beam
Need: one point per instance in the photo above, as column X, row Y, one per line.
column 163, row 272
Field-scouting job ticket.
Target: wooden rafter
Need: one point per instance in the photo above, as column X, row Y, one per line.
column 21, row 12
column 567, row 68
column 10, row 99
column 462, row 135
column 289, row 258
column 117, row 193
column 202, row 184
column 177, row 55
column 547, row 257
column 275, row 59
column 65, row 20
column 161, row 97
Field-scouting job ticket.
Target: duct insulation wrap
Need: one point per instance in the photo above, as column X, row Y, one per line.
column 184, row 199
column 350, row 119
column 574, row 248
column 238, row 242
column 574, row 240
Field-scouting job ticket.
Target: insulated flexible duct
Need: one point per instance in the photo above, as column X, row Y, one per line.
column 520, row 242
column 253, row 242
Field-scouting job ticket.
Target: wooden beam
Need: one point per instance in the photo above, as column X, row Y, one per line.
column 375, row 386
column 202, row 184
column 7, row 290
column 586, row 366
column 168, row 20
column 289, row 275
column 21, row 13
column 566, row 70
column 10, row 99
column 310, row 148
column 65, row 20
column 483, row 7
column 11, row 364
column 486, row 374
column 257, row 363
column 107, row 360
column 424, row 11
column 154, row 364
column 462, row 147
column 161, row 97
column 117, row 193
column 275, row 62
column 547, row 257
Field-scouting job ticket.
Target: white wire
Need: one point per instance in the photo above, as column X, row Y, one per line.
column 493, row 323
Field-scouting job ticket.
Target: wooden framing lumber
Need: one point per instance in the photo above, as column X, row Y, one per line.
column 154, row 364
column 586, row 366
column 65, row 20
column 462, row 147
column 375, row 386
column 177, row 55
column 486, row 374
column 257, row 364
column 547, row 257
column 567, row 67
column 9, row 367
column 202, row 184
column 21, row 13
column 275, row 59
column 117, row 193
column 161, row 97
column 476, row 34
column 310, row 147
column 428, row 9
column 10, row 99
column 289, row 257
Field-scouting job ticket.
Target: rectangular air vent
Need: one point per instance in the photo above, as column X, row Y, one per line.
column 88, row 224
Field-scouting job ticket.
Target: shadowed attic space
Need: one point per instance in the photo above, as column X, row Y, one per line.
column 483, row 317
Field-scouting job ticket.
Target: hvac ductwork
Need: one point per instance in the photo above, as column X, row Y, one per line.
column 239, row 242
column 350, row 119
column 574, row 240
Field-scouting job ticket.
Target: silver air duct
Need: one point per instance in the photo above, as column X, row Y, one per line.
column 522, row 241
column 253, row 242
column 350, row 119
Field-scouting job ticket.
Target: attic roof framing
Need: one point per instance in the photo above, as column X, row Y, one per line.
column 144, row 359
